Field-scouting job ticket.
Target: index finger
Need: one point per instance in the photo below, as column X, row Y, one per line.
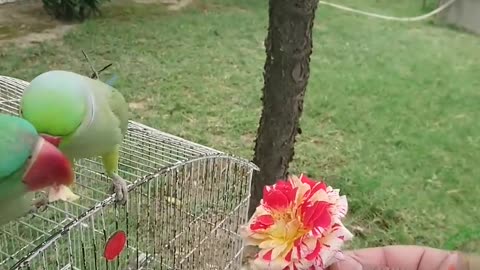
column 400, row 257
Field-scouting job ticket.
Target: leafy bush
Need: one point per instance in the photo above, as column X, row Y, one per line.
column 71, row 10
column 429, row 5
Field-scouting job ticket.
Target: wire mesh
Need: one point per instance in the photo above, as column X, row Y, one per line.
column 186, row 202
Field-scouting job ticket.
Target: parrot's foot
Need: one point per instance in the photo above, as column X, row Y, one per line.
column 39, row 205
column 120, row 189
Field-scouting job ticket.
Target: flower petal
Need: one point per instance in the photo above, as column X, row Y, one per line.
column 278, row 250
column 261, row 264
column 271, row 243
column 279, row 196
column 267, row 256
column 341, row 207
column 288, row 258
column 319, row 195
column 262, row 222
column 292, row 228
column 306, row 180
column 314, row 252
column 276, row 200
column 316, row 215
column 334, row 241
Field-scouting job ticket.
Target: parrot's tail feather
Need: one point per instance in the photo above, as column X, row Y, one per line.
column 61, row 193
column 112, row 80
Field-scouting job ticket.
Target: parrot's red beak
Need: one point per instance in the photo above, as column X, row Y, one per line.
column 48, row 167
column 52, row 139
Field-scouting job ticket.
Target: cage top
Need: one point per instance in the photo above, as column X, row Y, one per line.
column 174, row 149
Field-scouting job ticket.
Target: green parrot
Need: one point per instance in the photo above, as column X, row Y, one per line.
column 28, row 163
column 84, row 117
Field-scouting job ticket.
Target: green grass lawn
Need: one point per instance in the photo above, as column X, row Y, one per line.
column 391, row 111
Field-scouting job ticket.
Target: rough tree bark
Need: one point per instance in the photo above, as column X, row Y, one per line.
column 287, row 69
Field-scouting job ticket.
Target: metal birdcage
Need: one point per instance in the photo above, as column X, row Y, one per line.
column 186, row 202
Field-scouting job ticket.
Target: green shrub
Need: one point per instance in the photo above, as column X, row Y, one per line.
column 72, row 10
column 429, row 5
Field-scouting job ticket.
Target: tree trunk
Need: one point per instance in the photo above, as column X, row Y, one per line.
column 287, row 69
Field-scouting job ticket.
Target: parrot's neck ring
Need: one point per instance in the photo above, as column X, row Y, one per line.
column 92, row 109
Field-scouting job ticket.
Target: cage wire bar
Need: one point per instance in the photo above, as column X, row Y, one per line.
column 186, row 202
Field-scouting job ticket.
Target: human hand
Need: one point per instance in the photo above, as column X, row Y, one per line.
column 406, row 258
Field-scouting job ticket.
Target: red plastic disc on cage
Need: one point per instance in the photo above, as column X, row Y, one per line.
column 115, row 245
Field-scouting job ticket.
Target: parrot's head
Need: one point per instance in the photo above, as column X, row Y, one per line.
column 55, row 103
column 22, row 151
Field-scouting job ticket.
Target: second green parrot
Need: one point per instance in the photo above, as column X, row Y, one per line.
column 84, row 117
column 28, row 164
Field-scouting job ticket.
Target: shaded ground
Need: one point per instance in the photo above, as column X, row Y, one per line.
column 24, row 23
column 171, row 4
column 391, row 112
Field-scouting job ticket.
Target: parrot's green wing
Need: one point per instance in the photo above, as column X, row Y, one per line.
column 15, row 207
column 119, row 107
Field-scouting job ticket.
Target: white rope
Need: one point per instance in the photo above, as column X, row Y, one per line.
column 6, row 1
column 389, row 18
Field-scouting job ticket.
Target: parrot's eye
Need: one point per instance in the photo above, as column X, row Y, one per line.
column 21, row 112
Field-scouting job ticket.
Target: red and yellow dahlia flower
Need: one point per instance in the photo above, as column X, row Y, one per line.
column 297, row 226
